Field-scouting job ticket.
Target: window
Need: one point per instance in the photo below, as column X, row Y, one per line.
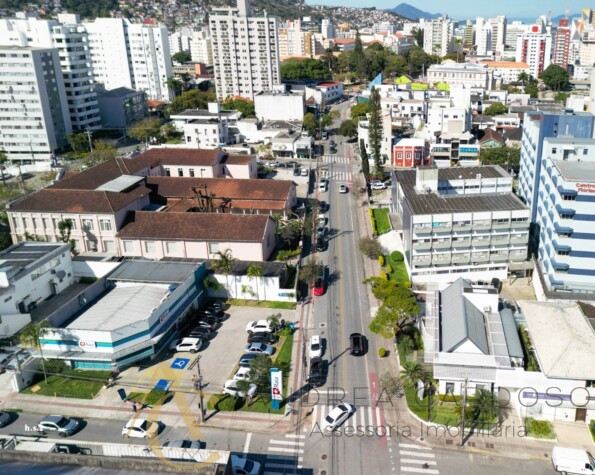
column 167, row 172
column 180, row 172
column 171, row 247
column 46, row 223
column 87, row 224
column 108, row 246
column 128, row 246
column 26, row 222
column 563, row 252
column 213, row 248
column 569, row 197
column 450, row 388
column 150, row 247
column 585, row 151
column 105, row 224
column 191, row 171
column 566, row 215
column 91, row 245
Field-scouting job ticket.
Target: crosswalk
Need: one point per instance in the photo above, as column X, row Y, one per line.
column 285, row 455
column 333, row 159
column 336, row 175
column 365, row 418
column 417, row 459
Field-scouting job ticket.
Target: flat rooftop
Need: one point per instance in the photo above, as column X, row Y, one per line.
column 203, row 113
column 18, row 258
column 154, row 272
column 576, row 171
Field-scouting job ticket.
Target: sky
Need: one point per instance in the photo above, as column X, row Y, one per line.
column 463, row 9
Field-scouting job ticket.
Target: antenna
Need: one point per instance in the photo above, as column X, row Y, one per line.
column 567, row 11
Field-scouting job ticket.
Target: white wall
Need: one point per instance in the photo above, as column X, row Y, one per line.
column 263, row 288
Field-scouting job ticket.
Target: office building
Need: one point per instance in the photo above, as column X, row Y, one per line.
column 121, row 107
column 68, row 35
column 562, row 44
column 459, row 222
column 327, row 28
column 470, row 75
column 535, row 49
column 468, row 36
column 200, row 48
column 245, row 51
column 34, row 118
column 438, row 36
column 498, row 37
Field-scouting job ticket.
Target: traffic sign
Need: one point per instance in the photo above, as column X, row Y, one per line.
column 180, row 363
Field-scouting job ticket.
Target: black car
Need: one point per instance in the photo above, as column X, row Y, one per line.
column 216, row 305
column 211, row 313
column 207, row 318
column 5, row 418
column 247, row 358
column 205, row 324
column 199, row 332
column 262, row 337
column 323, row 207
column 333, row 150
column 296, row 171
column 321, row 245
column 357, row 344
column 316, row 375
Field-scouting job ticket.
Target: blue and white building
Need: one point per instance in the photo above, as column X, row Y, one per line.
column 129, row 315
column 565, row 218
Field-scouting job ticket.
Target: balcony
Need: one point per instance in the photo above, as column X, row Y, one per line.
column 463, row 258
column 497, row 225
column 422, row 246
column 442, row 244
column 522, row 239
column 420, row 261
column 516, row 257
column 441, row 227
column 479, row 258
column 422, row 229
column 500, row 240
column 499, row 257
column 482, row 225
column 463, row 243
column 441, row 260
column 480, row 242
column 520, row 225
column 461, row 227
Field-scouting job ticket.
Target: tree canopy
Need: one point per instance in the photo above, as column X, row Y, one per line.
column 359, row 110
column 501, row 156
column 497, row 108
column 244, row 106
column 192, row 99
column 302, row 69
column 182, row 57
column 398, row 309
column 555, row 77
column 348, row 128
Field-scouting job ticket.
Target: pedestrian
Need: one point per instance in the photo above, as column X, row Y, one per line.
column 133, row 405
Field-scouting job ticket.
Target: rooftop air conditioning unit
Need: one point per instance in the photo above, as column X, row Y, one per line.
column 487, row 309
column 478, row 176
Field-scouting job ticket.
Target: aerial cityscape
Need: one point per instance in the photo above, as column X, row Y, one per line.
column 274, row 238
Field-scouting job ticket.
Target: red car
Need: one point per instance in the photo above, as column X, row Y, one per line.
column 319, row 287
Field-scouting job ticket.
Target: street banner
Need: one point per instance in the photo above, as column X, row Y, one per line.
column 276, row 387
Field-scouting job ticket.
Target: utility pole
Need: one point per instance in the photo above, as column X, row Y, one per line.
column 90, row 141
column 197, row 379
column 463, row 411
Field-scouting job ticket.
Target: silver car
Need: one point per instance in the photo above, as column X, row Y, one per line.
column 184, row 444
column 260, row 348
column 63, row 426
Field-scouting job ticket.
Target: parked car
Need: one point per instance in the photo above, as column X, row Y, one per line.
column 202, row 323
column 319, row 287
column 246, row 359
column 19, row 358
column 321, row 245
column 323, row 185
column 216, row 305
column 297, row 171
column 231, row 388
column 304, row 172
column 215, row 316
column 332, row 143
column 316, row 373
column 337, row 416
column 140, row 429
column 315, row 349
column 259, row 348
column 191, row 345
column 333, row 150
column 242, row 374
column 321, row 231
column 568, row 460
column 263, row 337
column 378, row 185
column 63, row 426
column 357, row 345
column 184, row 444
column 273, row 163
column 198, row 332
column 260, row 326
column 321, row 219
column 244, row 466
column 343, row 188
column 323, row 207
column 4, row 359
column 5, row 418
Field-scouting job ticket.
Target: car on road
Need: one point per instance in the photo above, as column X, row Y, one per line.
column 244, row 466
column 332, row 143
column 321, row 219
column 297, row 171
column 140, row 429
column 304, row 172
column 337, row 416
column 316, row 373
column 246, row 359
column 5, row 418
column 323, row 185
column 378, row 185
column 323, row 207
column 263, row 337
column 321, row 231
column 343, row 188
column 231, row 387
column 321, row 245
column 357, row 345
column 319, row 287
column 260, row 326
column 191, row 345
column 333, row 150
column 315, row 349
column 259, row 348
column 61, row 425
column 184, row 444
column 242, row 374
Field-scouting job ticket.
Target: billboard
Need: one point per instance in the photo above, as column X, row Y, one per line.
column 276, row 387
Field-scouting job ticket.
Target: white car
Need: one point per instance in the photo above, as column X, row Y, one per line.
column 260, row 326
column 321, row 219
column 343, row 189
column 243, row 466
column 337, row 416
column 315, row 347
column 242, row 374
column 378, row 185
column 191, row 345
column 304, row 172
column 323, row 185
column 140, row 428
column 231, row 388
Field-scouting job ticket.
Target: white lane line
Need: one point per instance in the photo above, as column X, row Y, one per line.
column 295, row 436
column 362, row 417
column 353, row 421
column 419, row 470
column 286, row 442
column 370, row 418
column 247, row 444
column 322, row 414
column 378, row 421
column 413, row 446
column 286, row 449
column 415, row 454
column 428, row 462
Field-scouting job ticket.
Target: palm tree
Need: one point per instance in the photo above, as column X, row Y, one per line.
column 211, row 282
column 523, row 77
column 484, row 406
column 255, row 271
column 310, row 271
column 31, row 338
column 173, row 84
column 412, row 373
column 274, row 320
column 224, row 264
column 457, row 45
column 244, row 386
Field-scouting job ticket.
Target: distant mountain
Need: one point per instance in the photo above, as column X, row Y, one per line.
column 413, row 13
column 556, row 19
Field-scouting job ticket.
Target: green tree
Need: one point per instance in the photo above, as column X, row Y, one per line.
column 358, row 58
column 483, row 406
column 348, row 128
column 31, row 338
column 175, row 85
column 329, row 59
column 370, row 247
column 532, row 90
column 562, row 97
column 102, row 152
column 211, row 282
column 310, row 124
column 310, row 271
column 395, row 66
column 5, row 239
column 365, row 160
column 289, row 231
column 144, row 130
column 555, row 77
column 418, row 59
column 523, row 77
column 244, row 106
column 224, row 263
column 193, row 99
column 497, row 108
column 169, row 133
column 375, row 127
column 255, row 271
column 3, row 160
column 390, row 384
column 412, row 372
column 398, row 309
column 274, row 320
column 293, row 69
column 79, row 142
column 503, row 156
column 360, row 110
column 181, row 57
column 418, row 35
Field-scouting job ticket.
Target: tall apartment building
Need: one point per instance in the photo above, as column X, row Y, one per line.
column 565, row 218
column 483, row 36
column 438, row 36
column 34, row 118
column 513, row 31
column 69, row 36
column 180, row 41
column 460, row 222
column 562, row 44
column 468, row 36
column 293, row 41
column 535, row 49
column 498, row 40
column 132, row 55
column 245, row 51
column 200, row 48
column 327, row 28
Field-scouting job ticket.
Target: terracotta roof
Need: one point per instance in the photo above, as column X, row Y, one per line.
column 506, row 64
column 78, row 201
column 154, row 103
column 186, row 204
column 237, row 159
column 96, row 176
column 491, row 134
column 195, row 226
column 178, row 156
column 344, row 41
column 249, row 189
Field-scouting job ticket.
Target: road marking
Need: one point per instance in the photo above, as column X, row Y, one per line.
column 370, row 418
column 415, row 454
column 295, row 436
column 419, row 470
column 378, row 420
column 286, row 449
column 362, row 416
column 247, row 444
column 428, row 462
column 413, row 446
column 286, row 442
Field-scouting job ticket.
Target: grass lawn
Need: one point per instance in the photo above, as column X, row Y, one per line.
column 381, row 218
column 150, row 398
column 262, row 304
column 445, row 413
column 540, row 429
column 399, row 272
column 70, row 383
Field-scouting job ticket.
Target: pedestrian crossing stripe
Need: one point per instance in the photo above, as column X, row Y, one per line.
column 334, row 159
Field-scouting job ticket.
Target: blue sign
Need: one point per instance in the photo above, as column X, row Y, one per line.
column 180, row 363
column 163, row 384
column 468, row 150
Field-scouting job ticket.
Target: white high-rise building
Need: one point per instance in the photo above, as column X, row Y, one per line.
column 180, row 41
column 68, row 35
column 438, row 36
column 292, row 40
column 498, row 25
column 535, row 49
column 483, row 36
column 132, row 55
column 327, row 29
column 245, row 51
column 34, row 117
column 200, row 48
